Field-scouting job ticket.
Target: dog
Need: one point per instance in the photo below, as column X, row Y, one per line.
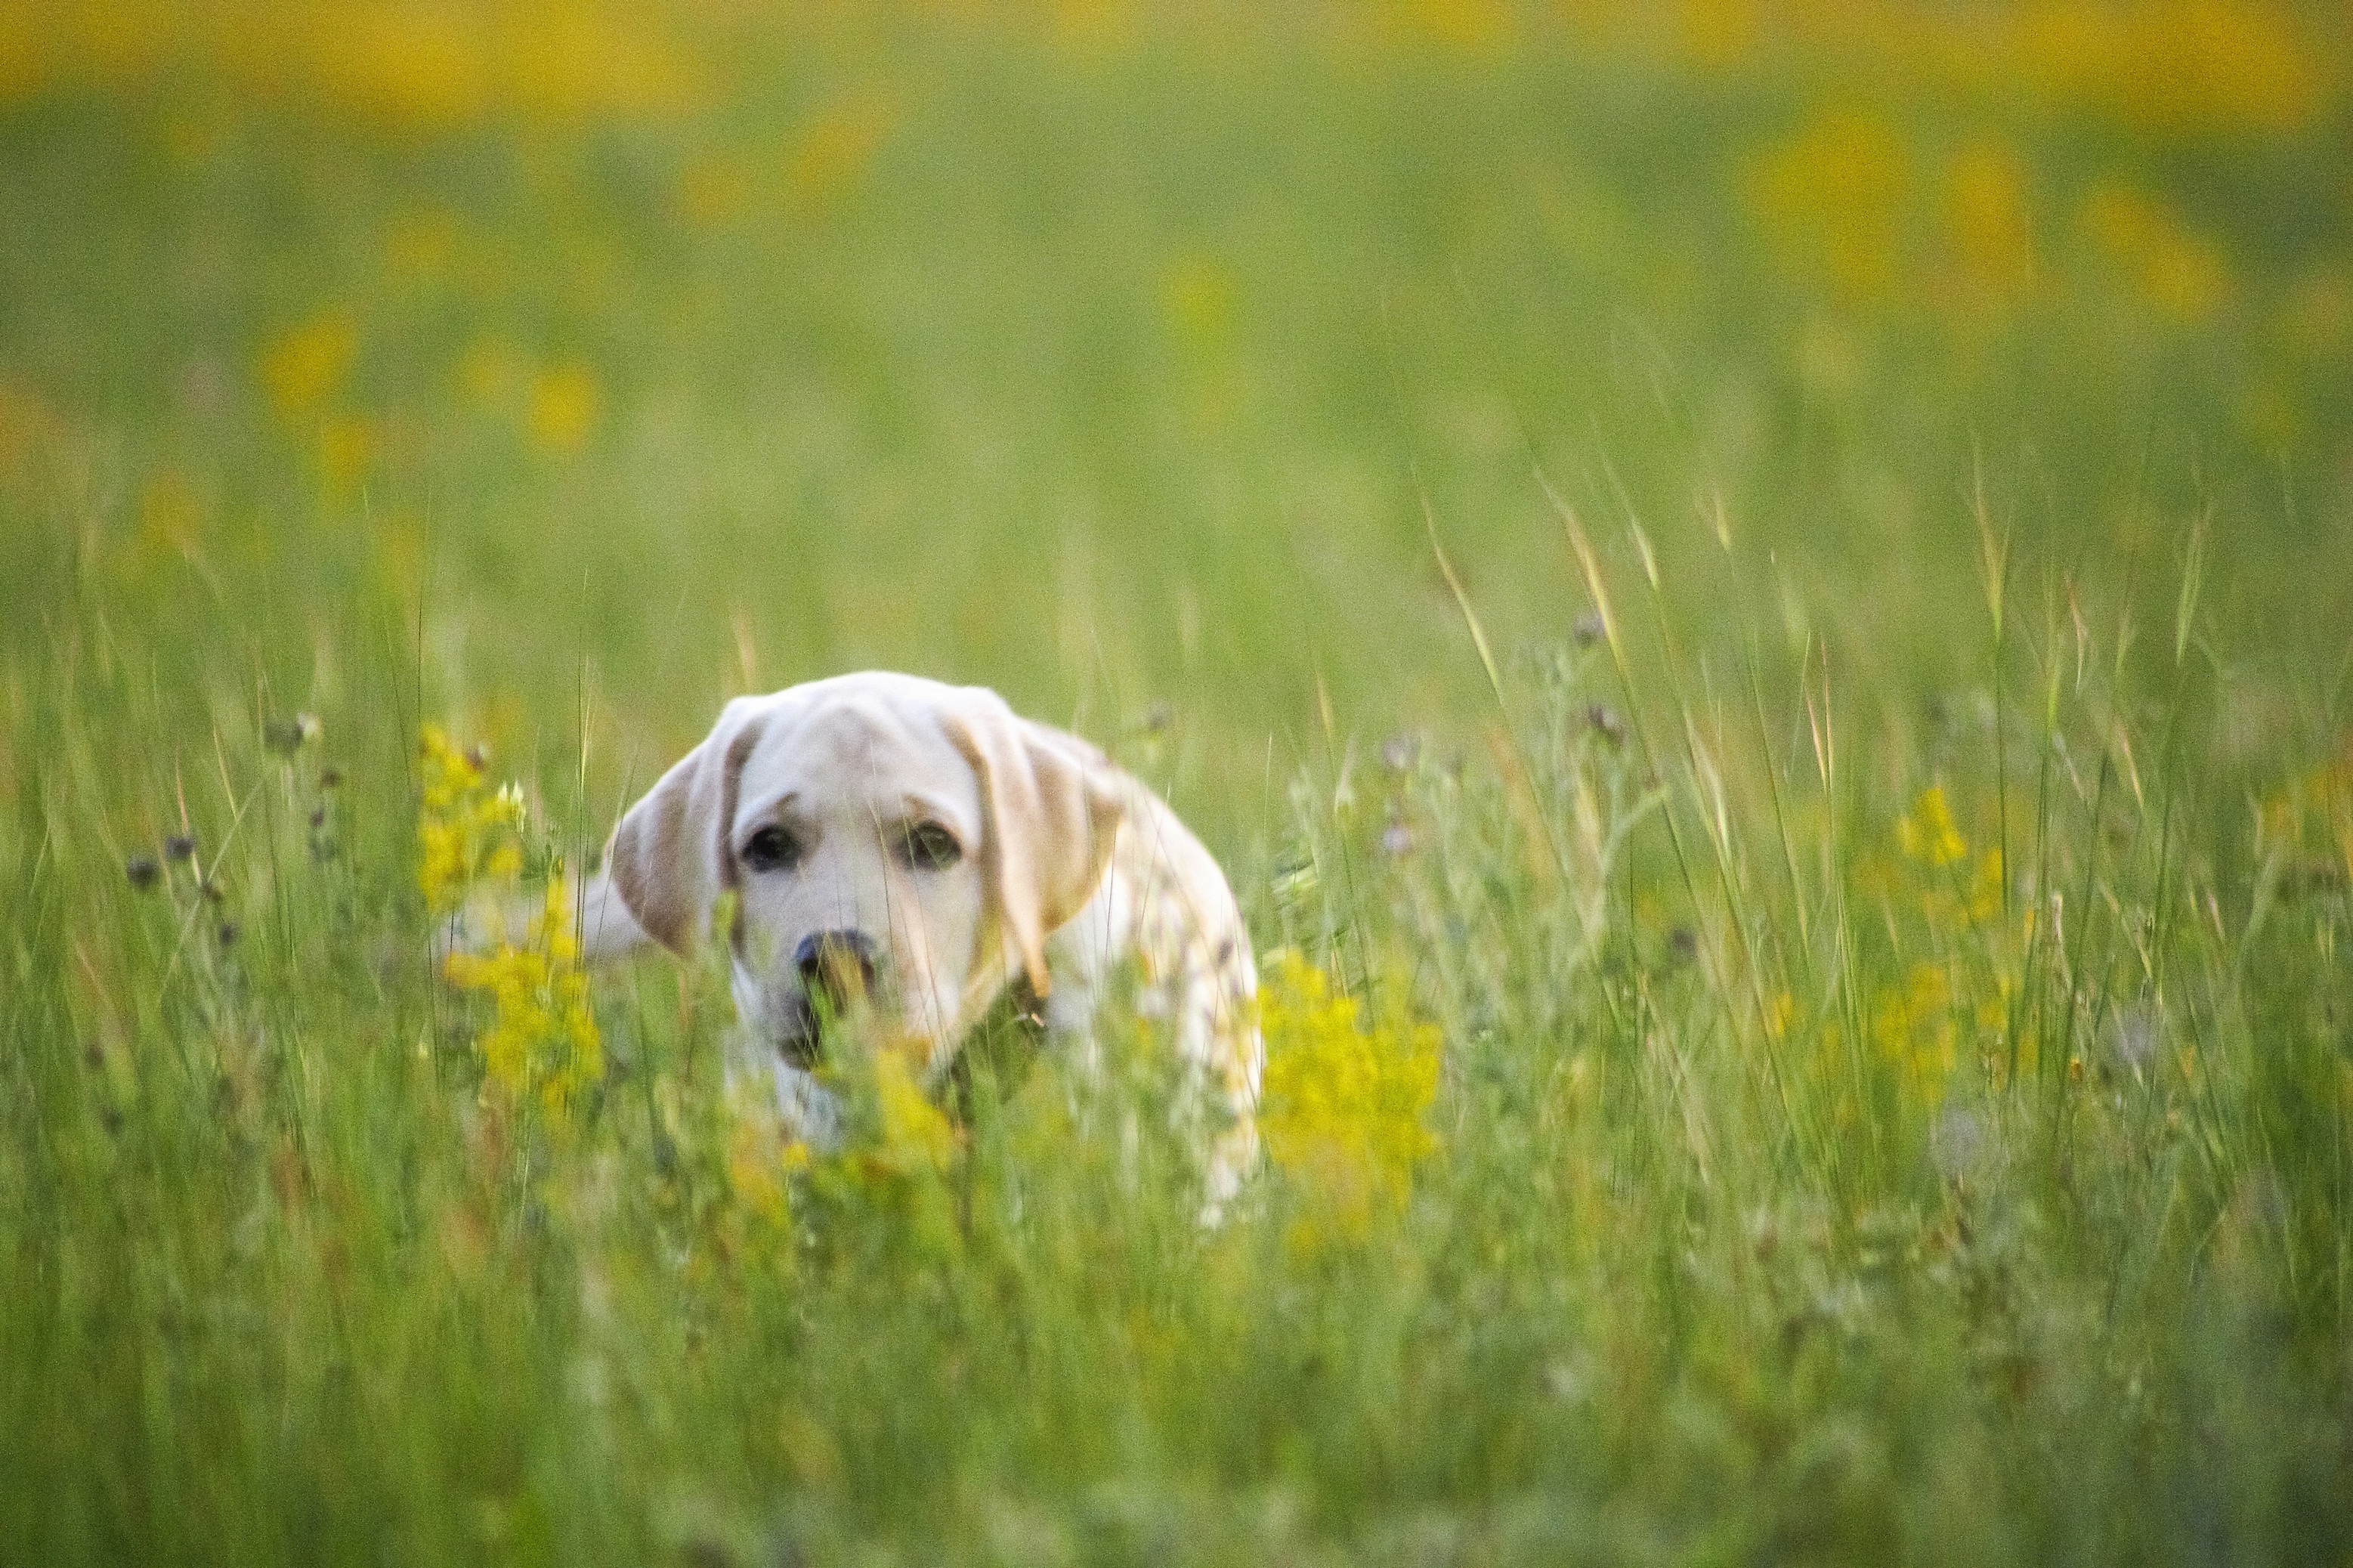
column 920, row 851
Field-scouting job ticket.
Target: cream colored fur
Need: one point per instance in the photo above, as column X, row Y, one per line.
column 1069, row 875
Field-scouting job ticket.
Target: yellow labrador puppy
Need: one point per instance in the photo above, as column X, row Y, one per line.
column 922, row 850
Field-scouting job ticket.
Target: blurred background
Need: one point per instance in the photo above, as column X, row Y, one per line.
column 564, row 367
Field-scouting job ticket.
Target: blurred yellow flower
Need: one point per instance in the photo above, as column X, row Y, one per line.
column 836, row 148
column 1986, row 221
column 571, row 59
column 308, row 365
column 407, row 67
column 1196, row 298
column 1343, row 1106
column 1718, row 33
column 915, row 1134
column 1913, row 1029
column 346, row 443
column 2171, row 266
column 170, row 514
column 564, row 404
column 1927, row 831
column 466, row 830
column 1460, row 24
column 2180, row 66
column 543, row 1041
column 712, row 189
column 20, row 59
column 1831, row 199
column 28, row 425
column 759, row 1167
column 1095, row 23
column 1985, row 888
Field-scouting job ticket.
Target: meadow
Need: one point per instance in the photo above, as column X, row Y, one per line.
column 1757, row 598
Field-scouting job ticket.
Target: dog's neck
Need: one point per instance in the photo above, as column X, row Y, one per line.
column 998, row 1050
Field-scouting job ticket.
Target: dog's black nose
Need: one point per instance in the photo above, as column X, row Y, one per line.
column 836, row 964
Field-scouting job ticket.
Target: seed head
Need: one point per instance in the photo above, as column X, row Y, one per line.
column 2133, row 1035
column 1956, row 1143
column 287, row 736
column 180, row 846
column 143, row 871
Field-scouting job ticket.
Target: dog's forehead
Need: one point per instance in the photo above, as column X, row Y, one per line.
column 862, row 747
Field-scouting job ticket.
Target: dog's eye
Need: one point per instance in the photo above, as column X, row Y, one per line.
column 928, row 846
column 773, row 849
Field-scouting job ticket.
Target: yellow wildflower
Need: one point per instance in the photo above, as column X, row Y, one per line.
column 836, row 147
column 1831, row 199
column 915, row 1134
column 305, row 367
column 2175, row 268
column 466, row 830
column 171, row 514
column 1343, row 1105
column 542, row 1040
column 1468, row 24
column 1913, row 1029
column 346, row 446
column 1926, row 832
column 564, row 403
column 759, row 1167
column 1985, row 888
column 1986, row 215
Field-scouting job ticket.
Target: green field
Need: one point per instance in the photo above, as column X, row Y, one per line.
column 1760, row 596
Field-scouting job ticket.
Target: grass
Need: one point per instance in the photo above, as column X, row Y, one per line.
column 1762, row 615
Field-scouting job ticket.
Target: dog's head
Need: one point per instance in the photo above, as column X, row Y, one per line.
column 890, row 843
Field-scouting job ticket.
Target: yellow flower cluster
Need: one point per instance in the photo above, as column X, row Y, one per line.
column 308, row 365
column 542, row 1040
column 914, row 1135
column 394, row 64
column 466, row 829
column 1343, row 1108
column 1848, row 198
column 760, row 1168
column 1913, row 1029
column 2311, row 814
column 1927, row 834
column 1831, row 199
column 2172, row 266
column 1917, row 1026
column 1927, row 831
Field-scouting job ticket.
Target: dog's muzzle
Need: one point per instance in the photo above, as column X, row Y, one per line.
column 837, row 973
column 837, row 966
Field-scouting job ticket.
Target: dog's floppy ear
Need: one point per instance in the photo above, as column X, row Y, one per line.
column 1051, row 811
column 670, row 858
